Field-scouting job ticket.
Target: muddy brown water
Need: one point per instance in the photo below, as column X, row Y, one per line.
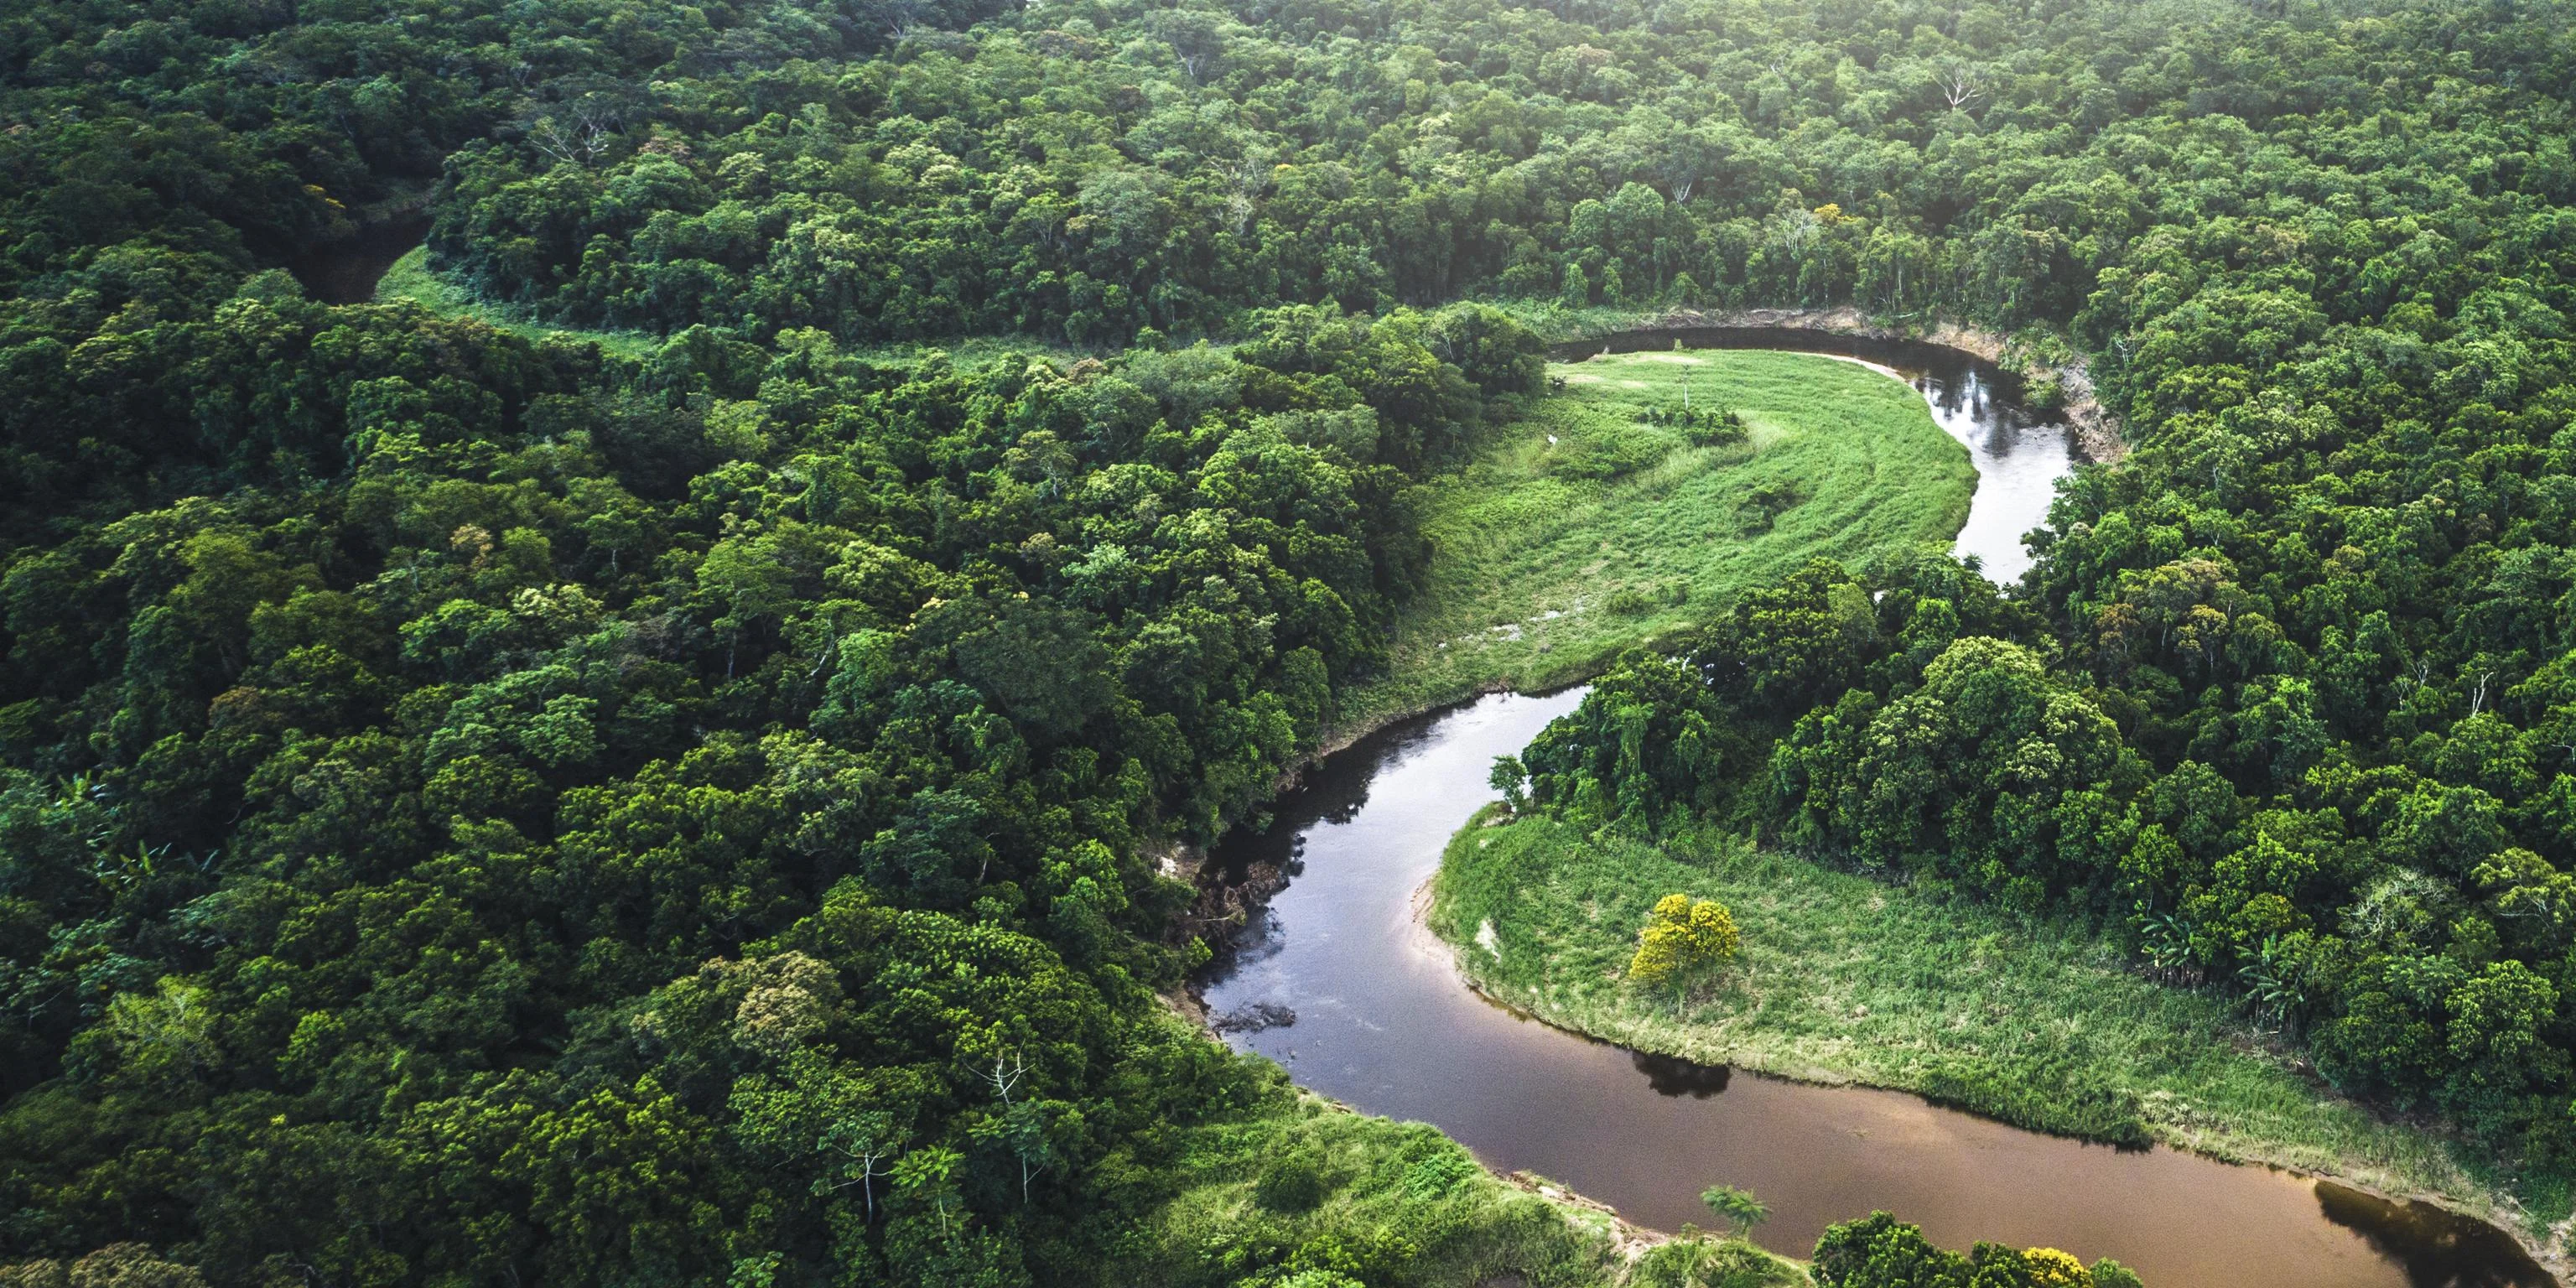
column 1383, row 1022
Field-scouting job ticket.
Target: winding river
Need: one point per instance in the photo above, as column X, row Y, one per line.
column 1384, row 1023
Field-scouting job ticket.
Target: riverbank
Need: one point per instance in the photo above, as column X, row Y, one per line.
column 1320, row 1186
column 1300, row 1181
column 1846, row 981
column 1580, row 532
column 2097, row 430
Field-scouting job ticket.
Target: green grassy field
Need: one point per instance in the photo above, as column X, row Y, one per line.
column 1843, row 979
column 1543, row 569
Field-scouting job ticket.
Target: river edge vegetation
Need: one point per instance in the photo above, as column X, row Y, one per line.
column 481, row 807
column 1588, row 529
column 1669, row 774
column 2035, row 1020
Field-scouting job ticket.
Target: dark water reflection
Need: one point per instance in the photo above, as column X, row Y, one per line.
column 346, row 271
column 1669, row 1075
column 1384, row 1023
column 2019, row 453
column 2436, row 1249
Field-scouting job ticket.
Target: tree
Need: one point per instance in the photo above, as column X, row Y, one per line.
column 1737, row 1206
column 1036, row 660
column 1512, row 780
column 1878, row 1251
column 747, row 577
column 1649, row 744
column 118, row 1265
column 1682, row 935
column 1959, row 88
column 1496, row 353
column 1576, row 291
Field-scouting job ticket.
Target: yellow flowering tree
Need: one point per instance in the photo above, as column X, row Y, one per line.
column 2050, row 1268
column 1682, row 934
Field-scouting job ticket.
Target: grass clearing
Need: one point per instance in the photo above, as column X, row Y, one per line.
column 1844, row 979
column 1543, row 568
column 411, row 279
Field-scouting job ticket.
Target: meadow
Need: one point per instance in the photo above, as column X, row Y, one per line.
column 1581, row 531
column 1843, row 979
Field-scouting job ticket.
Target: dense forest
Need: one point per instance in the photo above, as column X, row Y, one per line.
column 477, row 809
column 2288, row 694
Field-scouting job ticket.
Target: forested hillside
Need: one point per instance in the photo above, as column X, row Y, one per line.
column 483, row 810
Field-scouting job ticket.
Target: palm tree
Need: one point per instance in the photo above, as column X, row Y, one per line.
column 1737, row 1206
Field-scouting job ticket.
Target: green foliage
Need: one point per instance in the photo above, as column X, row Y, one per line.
column 674, row 821
column 1599, row 447
column 1399, row 1205
column 1737, row 1206
column 1627, row 601
column 1438, row 1174
column 1530, row 562
column 410, row 279
column 428, row 747
column 118, row 1265
column 1975, row 774
column 2032, row 1019
column 1712, row 1263
column 1879, row 1251
column 1290, row 1185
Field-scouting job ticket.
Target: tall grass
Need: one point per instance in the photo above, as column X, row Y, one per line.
column 2033, row 1020
column 1542, row 570
column 411, row 279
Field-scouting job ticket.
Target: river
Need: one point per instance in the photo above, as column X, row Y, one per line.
column 1385, row 1024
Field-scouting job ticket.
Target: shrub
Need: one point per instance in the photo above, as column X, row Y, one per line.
column 1767, row 503
column 1437, row 1175
column 1682, row 935
column 1290, row 1185
column 1716, row 429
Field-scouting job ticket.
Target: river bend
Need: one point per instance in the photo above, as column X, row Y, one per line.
column 1384, row 1022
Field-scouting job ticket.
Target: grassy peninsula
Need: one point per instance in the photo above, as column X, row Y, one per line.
column 2034, row 1020
column 1581, row 530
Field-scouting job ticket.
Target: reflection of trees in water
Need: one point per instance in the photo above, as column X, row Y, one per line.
column 1331, row 792
column 1959, row 384
column 2438, row 1249
column 1674, row 1076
